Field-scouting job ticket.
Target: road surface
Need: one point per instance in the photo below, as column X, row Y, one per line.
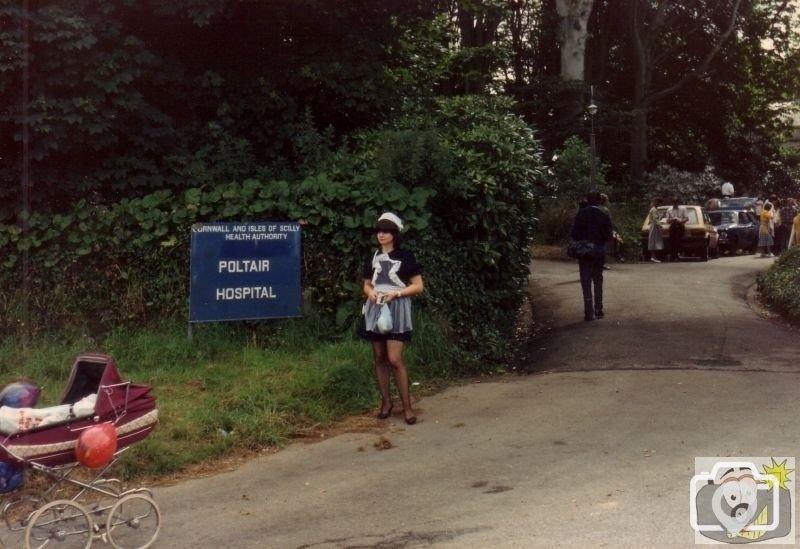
column 595, row 449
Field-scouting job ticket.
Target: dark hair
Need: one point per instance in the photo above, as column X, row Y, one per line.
column 386, row 226
column 593, row 197
column 768, row 206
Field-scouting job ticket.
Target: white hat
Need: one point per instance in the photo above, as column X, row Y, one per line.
column 389, row 216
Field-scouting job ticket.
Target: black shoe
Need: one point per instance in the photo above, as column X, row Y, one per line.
column 411, row 420
column 599, row 313
column 587, row 318
column 387, row 413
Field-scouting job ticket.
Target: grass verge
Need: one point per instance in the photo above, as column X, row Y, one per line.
column 780, row 285
column 236, row 386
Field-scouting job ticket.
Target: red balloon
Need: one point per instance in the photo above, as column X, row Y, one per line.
column 96, row 445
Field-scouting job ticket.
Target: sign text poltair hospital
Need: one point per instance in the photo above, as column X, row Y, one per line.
column 245, row 271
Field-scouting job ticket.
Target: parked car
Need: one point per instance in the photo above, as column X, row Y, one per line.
column 701, row 239
column 738, row 229
column 738, row 203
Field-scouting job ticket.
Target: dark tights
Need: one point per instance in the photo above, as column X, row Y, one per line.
column 389, row 356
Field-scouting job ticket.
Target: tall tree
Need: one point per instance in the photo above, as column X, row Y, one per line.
column 688, row 36
column 573, row 32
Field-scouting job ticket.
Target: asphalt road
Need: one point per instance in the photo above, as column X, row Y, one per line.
column 596, row 449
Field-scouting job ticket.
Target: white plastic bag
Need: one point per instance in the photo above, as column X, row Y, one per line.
column 384, row 324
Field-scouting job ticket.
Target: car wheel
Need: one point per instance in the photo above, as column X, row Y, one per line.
column 704, row 253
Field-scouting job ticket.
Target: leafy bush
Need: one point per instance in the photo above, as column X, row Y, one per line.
column 569, row 176
column 461, row 178
column 555, row 220
column 692, row 188
column 482, row 220
column 780, row 285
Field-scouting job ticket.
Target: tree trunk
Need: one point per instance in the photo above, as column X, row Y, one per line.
column 638, row 146
column 477, row 25
column 641, row 85
column 573, row 32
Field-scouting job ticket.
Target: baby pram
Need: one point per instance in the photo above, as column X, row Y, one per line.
column 72, row 511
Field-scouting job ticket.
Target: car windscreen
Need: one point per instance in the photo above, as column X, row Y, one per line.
column 737, row 203
column 720, row 218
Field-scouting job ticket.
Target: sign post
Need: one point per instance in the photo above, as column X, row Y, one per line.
column 244, row 271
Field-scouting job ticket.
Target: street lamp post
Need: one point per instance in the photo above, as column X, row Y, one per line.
column 592, row 109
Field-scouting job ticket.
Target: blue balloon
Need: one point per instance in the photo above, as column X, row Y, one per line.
column 11, row 476
column 21, row 394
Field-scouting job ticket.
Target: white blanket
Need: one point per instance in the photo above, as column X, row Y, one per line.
column 13, row 420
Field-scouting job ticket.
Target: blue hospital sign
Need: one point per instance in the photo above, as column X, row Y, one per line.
column 245, row 271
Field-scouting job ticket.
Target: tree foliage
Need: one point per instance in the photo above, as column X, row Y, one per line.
column 125, row 122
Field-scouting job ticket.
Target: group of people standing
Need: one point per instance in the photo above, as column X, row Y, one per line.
column 779, row 225
column 676, row 217
column 780, row 229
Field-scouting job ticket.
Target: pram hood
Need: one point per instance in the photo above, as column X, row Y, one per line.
column 94, row 373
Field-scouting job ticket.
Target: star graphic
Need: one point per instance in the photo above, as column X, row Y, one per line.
column 779, row 471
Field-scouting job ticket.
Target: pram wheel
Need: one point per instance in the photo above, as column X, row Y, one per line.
column 61, row 523
column 20, row 507
column 133, row 522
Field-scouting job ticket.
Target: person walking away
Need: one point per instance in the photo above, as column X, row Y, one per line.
column 592, row 224
column 676, row 218
column 765, row 236
column 655, row 240
column 391, row 276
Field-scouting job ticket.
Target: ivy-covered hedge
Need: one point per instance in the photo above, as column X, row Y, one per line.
column 461, row 179
column 780, row 285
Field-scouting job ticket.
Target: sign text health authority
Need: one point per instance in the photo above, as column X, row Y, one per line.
column 245, row 271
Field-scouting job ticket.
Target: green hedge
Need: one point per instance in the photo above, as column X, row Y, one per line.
column 780, row 285
column 461, row 178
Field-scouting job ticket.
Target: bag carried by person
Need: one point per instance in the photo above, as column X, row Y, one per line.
column 581, row 249
column 384, row 324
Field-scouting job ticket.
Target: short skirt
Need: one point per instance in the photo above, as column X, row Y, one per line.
column 400, row 309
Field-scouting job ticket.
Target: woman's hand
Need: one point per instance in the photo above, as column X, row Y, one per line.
column 369, row 291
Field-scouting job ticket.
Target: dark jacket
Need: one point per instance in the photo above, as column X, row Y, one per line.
column 593, row 224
